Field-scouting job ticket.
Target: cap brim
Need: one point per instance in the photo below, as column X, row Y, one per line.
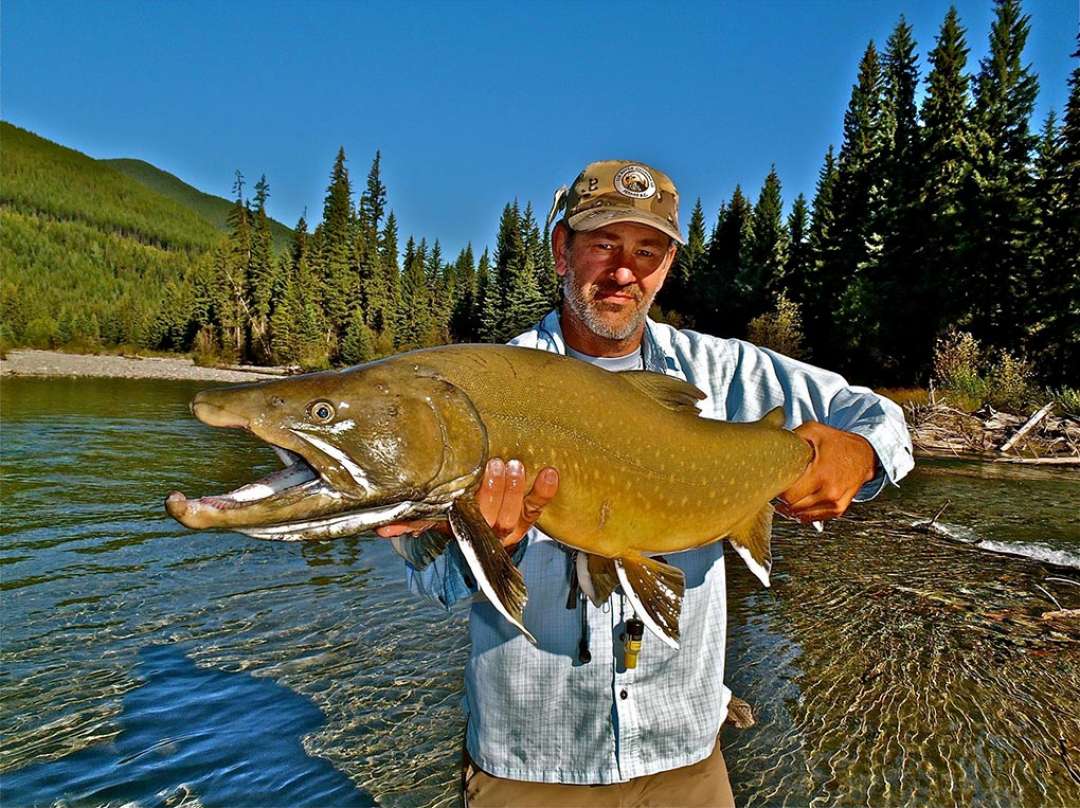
column 595, row 219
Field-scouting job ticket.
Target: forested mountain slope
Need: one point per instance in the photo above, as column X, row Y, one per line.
column 214, row 209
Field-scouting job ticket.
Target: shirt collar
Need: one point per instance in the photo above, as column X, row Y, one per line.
column 653, row 356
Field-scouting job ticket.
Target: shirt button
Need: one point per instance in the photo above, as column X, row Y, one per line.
column 623, row 694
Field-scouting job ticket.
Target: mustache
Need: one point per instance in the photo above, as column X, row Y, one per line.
column 632, row 291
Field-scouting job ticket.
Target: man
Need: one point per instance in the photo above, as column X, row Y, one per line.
column 548, row 729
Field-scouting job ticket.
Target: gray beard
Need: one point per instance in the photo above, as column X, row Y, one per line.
column 587, row 315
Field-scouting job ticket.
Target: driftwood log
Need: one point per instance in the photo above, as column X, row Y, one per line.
column 938, row 430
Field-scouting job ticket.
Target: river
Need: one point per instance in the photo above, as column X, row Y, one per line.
column 145, row 664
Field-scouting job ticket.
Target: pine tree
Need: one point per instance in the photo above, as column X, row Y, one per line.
column 546, row 278
column 824, row 256
column 1056, row 286
column 999, row 214
column 798, row 267
column 945, row 165
column 373, row 200
column 484, row 287
column 442, row 291
column 499, row 322
column 358, row 345
column 232, row 283
column 414, row 311
column 847, row 284
column 262, row 272
column 383, row 317
column 465, row 304
column 724, row 306
column 337, row 265
column 762, row 277
column 677, row 297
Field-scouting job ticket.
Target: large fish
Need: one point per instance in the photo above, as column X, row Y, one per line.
column 641, row 473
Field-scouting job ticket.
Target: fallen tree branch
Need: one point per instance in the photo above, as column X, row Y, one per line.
column 1030, row 425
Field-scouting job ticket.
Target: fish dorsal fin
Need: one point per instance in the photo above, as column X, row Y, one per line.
column 775, row 417
column 596, row 577
column 675, row 394
column 489, row 562
column 752, row 539
column 420, row 550
column 656, row 591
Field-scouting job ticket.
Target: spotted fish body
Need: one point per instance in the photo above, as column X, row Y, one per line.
column 641, row 473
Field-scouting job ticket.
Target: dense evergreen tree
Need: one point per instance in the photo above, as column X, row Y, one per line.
column 337, row 265
column 678, row 296
column 724, row 306
column 847, row 280
column 999, row 214
column 464, row 315
column 262, row 275
column 1055, row 287
column 762, row 277
column 897, row 301
column 798, row 267
column 945, row 165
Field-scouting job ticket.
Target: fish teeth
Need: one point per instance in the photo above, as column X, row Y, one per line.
column 287, row 457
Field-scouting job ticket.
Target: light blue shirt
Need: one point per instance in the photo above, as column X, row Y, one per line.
column 539, row 713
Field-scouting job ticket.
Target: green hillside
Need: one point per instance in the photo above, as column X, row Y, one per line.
column 214, row 209
column 89, row 256
column 42, row 178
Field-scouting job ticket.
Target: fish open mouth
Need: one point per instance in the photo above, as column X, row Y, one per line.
column 291, row 504
column 297, row 477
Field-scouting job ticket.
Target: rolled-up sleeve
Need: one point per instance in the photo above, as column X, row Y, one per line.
column 808, row 393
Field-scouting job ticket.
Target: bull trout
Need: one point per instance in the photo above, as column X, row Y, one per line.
column 641, row 473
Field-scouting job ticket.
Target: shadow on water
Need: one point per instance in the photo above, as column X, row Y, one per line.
column 195, row 736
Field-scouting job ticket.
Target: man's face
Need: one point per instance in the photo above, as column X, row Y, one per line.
column 611, row 275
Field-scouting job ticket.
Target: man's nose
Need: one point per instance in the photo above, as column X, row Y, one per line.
column 624, row 276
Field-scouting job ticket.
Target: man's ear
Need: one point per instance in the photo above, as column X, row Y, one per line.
column 558, row 248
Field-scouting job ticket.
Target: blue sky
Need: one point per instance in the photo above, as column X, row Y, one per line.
column 471, row 103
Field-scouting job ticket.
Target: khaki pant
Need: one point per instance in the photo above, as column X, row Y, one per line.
column 703, row 785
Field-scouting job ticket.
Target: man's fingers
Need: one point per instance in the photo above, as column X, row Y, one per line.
column 544, row 489
column 401, row 528
column 506, row 520
column 490, row 495
column 796, row 506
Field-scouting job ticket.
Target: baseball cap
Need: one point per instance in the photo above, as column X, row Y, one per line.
column 611, row 191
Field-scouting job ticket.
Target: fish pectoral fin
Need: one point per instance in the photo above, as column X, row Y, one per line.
column 489, row 562
column 597, row 577
column 656, row 592
column 673, row 393
column 752, row 539
column 420, row 550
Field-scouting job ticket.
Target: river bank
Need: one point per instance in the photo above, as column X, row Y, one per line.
column 32, row 362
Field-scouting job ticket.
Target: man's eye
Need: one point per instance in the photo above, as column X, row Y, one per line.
column 646, row 253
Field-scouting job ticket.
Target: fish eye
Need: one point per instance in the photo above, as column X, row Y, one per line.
column 321, row 411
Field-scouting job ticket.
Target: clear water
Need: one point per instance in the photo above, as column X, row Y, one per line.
column 146, row 664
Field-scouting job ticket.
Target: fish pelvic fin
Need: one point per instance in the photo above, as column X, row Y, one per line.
column 668, row 391
column 420, row 550
column 596, row 577
column 655, row 590
column 495, row 573
column 753, row 541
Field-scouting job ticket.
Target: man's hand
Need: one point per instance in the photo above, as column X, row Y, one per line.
column 503, row 502
column 842, row 463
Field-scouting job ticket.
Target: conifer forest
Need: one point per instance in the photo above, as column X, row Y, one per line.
column 943, row 206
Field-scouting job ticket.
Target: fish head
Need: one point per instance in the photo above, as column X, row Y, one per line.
column 373, row 444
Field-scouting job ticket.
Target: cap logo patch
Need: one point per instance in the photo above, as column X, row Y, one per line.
column 635, row 181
